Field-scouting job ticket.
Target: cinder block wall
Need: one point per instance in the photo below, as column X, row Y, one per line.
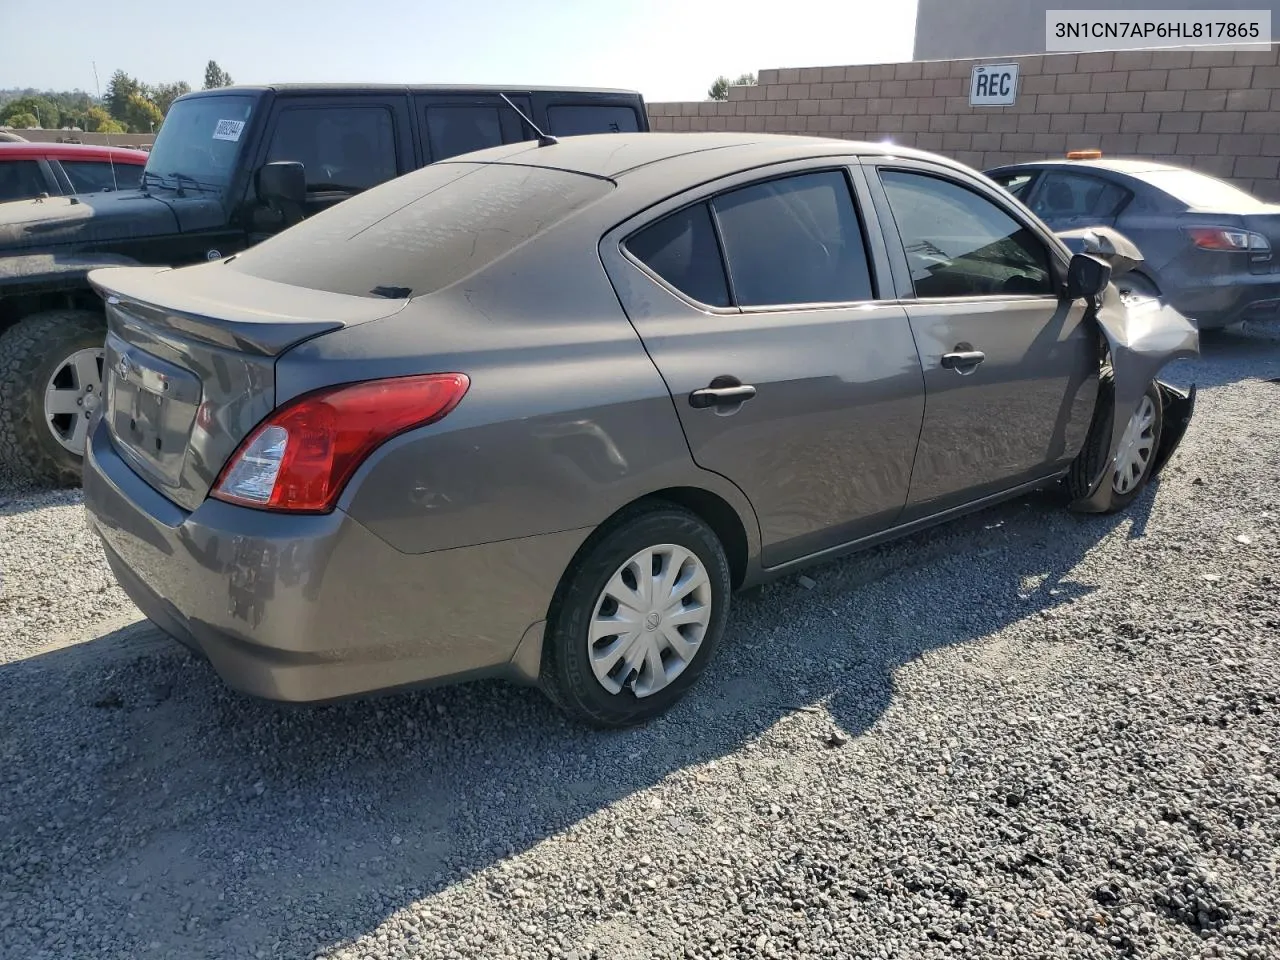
column 97, row 139
column 1214, row 110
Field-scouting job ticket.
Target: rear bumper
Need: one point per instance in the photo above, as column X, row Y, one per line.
column 315, row 608
column 1229, row 299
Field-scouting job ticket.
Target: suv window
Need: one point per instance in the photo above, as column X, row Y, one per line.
column 457, row 130
column 93, row 176
column 681, row 248
column 21, row 180
column 343, row 148
column 794, row 240
column 960, row 244
column 1077, row 195
column 569, row 120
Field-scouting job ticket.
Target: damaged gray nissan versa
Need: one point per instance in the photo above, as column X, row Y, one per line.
column 535, row 412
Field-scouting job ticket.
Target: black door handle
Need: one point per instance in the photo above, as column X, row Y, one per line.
column 721, row 396
column 963, row 361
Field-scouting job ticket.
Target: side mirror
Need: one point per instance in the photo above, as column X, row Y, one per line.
column 283, row 182
column 1087, row 277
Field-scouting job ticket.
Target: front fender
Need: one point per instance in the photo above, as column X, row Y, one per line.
column 1143, row 338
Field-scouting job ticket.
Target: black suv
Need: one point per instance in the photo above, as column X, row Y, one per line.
column 229, row 167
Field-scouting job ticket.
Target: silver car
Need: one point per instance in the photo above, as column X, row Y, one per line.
column 536, row 412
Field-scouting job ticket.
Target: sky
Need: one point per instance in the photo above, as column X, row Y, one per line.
column 666, row 49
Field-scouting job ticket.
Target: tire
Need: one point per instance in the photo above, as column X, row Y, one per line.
column 32, row 351
column 1135, row 285
column 1090, row 459
column 567, row 675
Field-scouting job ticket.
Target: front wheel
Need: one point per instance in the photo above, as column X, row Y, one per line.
column 637, row 617
column 50, row 383
column 1136, row 455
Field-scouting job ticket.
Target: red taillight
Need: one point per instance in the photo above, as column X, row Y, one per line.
column 301, row 456
column 1230, row 239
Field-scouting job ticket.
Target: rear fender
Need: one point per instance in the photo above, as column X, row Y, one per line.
column 1142, row 339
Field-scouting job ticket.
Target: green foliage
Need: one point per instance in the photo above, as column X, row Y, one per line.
column 215, row 76
column 98, row 120
column 720, row 89
column 42, row 111
column 141, row 115
column 163, row 94
column 20, row 121
column 120, row 89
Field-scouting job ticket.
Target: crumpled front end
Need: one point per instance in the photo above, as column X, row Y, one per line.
column 1143, row 338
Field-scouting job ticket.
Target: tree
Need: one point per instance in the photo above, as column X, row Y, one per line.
column 215, row 76
column 45, row 112
column 98, row 120
column 720, row 89
column 141, row 115
column 120, row 89
column 20, row 121
column 163, row 94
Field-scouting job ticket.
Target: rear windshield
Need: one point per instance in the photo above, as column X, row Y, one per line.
column 1200, row 191
column 422, row 232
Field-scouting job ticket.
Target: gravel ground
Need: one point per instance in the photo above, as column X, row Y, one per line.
column 1028, row 734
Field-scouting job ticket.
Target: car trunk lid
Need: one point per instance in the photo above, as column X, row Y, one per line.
column 190, row 363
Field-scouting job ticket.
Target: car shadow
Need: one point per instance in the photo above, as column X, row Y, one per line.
column 195, row 801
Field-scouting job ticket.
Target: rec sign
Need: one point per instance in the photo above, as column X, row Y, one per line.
column 993, row 85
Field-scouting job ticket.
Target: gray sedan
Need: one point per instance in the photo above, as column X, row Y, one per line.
column 1209, row 248
column 535, row 412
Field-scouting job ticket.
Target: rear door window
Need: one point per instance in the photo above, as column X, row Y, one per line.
column 345, row 149
column 1065, row 195
column 21, row 180
column 569, row 120
column 794, row 240
column 960, row 244
column 93, row 176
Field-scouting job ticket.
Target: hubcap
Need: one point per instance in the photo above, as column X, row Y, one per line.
column 72, row 394
column 1136, row 447
column 650, row 620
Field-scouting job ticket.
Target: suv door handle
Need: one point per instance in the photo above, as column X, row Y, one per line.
column 728, row 396
column 963, row 361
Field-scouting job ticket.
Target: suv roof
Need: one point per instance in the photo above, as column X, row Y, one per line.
column 71, row 151
column 288, row 88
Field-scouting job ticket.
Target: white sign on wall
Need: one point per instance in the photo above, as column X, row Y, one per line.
column 993, row 85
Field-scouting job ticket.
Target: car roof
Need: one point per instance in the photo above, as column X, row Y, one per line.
column 70, row 151
column 614, row 155
column 297, row 88
column 1117, row 165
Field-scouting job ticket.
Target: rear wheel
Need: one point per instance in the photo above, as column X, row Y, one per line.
column 50, row 383
column 637, row 618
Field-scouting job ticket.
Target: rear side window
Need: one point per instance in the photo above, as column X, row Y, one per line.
column 422, row 232
column 960, row 244
column 568, row 120
column 93, row 176
column 682, row 250
column 345, row 149
column 794, row 240
column 1077, row 195
column 21, row 180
